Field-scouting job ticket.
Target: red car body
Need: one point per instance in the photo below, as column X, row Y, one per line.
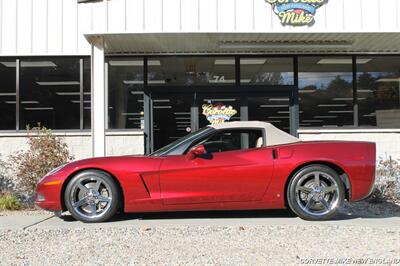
column 244, row 179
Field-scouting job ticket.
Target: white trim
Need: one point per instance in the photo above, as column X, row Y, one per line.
column 348, row 130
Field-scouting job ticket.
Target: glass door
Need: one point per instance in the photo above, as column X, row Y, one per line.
column 172, row 117
column 216, row 108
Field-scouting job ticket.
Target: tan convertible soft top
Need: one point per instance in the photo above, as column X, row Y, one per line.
column 274, row 135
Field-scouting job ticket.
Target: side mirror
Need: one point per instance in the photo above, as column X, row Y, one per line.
column 195, row 152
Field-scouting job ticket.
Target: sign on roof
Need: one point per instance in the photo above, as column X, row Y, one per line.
column 296, row 12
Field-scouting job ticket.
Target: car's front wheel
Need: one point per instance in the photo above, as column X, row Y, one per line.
column 92, row 196
column 315, row 192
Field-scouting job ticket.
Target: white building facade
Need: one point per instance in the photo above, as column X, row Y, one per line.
column 123, row 77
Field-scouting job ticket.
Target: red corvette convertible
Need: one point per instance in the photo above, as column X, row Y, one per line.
column 232, row 166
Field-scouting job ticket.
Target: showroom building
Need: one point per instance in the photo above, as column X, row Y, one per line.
column 129, row 76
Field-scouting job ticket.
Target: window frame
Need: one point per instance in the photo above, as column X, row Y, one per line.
column 82, row 78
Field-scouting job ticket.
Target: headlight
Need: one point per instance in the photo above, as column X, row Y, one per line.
column 55, row 170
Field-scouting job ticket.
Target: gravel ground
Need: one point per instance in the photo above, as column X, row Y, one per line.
column 207, row 245
column 197, row 245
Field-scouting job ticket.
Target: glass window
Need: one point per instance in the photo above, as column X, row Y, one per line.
column 266, row 71
column 125, row 93
column 231, row 140
column 378, row 91
column 188, row 71
column 326, row 91
column 271, row 109
column 50, row 93
column 7, row 93
column 87, row 99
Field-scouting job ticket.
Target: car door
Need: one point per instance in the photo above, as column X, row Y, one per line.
column 234, row 169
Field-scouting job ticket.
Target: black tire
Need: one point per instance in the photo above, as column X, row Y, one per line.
column 90, row 178
column 297, row 197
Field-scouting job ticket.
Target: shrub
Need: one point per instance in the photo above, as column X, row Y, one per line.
column 387, row 183
column 6, row 184
column 45, row 152
column 9, row 202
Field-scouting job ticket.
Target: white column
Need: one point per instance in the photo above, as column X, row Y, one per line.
column 98, row 99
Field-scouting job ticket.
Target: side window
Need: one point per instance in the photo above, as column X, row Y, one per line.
column 234, row 139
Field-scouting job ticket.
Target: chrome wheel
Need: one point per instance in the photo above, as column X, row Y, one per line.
column 91, row 196
column 317, row 193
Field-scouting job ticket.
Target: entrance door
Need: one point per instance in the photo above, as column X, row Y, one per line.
column 217, row 107
column 177, row 114
column 172, row 117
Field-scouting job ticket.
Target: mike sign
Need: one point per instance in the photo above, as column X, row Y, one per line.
column 296, row 12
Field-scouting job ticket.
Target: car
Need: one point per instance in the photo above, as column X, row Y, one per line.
column 231, row 166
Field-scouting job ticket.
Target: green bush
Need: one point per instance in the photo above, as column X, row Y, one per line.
column 9, row 202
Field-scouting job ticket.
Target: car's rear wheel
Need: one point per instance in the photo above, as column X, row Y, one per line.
column 315, row 192
column 92, row 196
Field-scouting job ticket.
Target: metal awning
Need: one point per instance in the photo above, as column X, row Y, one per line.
column 249, row 43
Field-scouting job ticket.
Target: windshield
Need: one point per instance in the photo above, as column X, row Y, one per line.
column 179, row 146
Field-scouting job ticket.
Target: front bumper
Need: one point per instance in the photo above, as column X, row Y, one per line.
column 47, row 195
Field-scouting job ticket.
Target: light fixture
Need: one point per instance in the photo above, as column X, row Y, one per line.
column 126, row 114
column 22, row 102
column 39, row 108
column 365, row 91
column 224, row 62
column 332, row 105
column 9, row 64
column 156, row 82
column 130, row 82
column 125, row 62
column 340, row 111
column 67, row 93
column 342, row 99
column 273, row 105
column 182, row 113
column 30, row 64
column 57, row 83
column 182, row 122
column 278, row 117
column 279, row 99
column 219, row 100
column 285, row 45
column 162, row 107
column 342, row 61
column 253, row 61
column 137, row 92
column 161, row 101
column 245, row 80
column 154, row 63
column 325, row 116
column 313, row 121
column 347, row 99
column 77, row 101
